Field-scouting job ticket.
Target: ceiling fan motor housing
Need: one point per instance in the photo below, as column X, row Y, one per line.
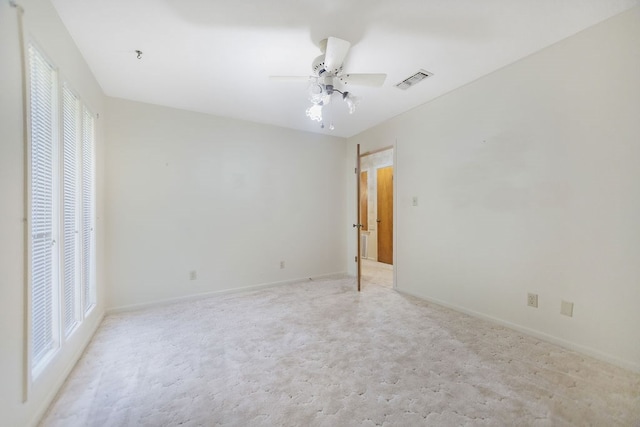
column 318, row 65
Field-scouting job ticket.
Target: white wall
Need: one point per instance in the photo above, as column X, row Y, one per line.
column 529, row 181
column 43, row 24
column 227, row 198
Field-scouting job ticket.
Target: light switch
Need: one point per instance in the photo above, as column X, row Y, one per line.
column 414, row 201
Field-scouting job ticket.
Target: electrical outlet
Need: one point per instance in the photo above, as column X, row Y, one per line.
column 414, row 201
column 566, row 308
column 281, row 265
column 532, row 300
column 193, row 275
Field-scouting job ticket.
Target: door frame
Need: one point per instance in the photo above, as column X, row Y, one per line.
column 359, row 156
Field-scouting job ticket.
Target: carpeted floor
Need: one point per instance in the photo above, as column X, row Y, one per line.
column 377, row 273
column 319, row 353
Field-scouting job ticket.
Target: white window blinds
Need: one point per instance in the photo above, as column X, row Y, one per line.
column 70, row 224
column 88, row 209
column 62, row 203
column 42, row 170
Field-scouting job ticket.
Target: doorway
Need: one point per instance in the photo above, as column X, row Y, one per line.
column 376, row 217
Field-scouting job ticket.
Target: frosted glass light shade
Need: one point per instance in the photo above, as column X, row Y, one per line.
column 315, row 112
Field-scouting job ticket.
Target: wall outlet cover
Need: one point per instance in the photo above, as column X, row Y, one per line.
column 566, row 308
column 532, row 300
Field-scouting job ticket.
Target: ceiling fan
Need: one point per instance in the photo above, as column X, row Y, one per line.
column 327, row 72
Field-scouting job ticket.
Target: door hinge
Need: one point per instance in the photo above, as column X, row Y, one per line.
column 356, row 258
column 355, row 170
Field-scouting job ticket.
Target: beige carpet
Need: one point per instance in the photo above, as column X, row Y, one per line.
column 377, row 273
column 318, row 353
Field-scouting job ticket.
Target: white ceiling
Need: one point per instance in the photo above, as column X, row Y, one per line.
column 215, row 56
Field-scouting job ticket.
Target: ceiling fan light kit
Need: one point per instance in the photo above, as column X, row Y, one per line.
column 351, row 100
column 327, row 70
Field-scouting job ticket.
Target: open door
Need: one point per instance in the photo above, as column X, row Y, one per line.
column 375, row 235
column 358, row 225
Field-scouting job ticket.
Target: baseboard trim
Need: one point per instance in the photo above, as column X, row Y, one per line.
column 587, row 351
column 48, row 400
column 202, row 295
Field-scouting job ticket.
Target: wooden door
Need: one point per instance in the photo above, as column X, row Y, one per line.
column 358, row 225
column 364, row 201
column 385, row 215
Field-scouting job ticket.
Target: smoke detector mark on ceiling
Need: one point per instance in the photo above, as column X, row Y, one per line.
column 414, row 79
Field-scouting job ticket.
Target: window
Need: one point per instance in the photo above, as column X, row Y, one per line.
column 62, row 210
column 88, row 210
column 70, row 244
column 43, row 219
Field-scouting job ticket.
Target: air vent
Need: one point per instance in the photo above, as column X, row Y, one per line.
column 413, row 80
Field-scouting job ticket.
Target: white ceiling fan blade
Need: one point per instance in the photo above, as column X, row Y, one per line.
column 290, row 78
column 336, row 51
column 373, row 80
